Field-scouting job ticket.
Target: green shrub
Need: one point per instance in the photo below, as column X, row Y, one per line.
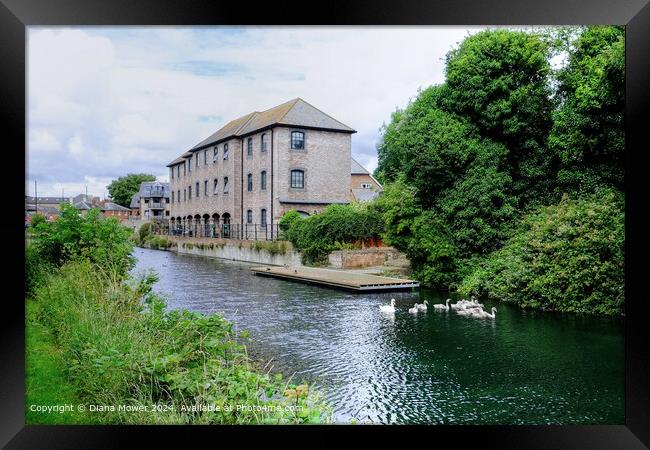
column 144, row 231
column 121, row 346
column 36, row 268
column 316, row 236
column 274, row 248
column 157, row 242
column 565, row 257
column 103, row 240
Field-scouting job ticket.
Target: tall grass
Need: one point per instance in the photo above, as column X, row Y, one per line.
column 122, row 347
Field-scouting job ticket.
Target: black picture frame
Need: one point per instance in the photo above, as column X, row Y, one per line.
column 16, row 15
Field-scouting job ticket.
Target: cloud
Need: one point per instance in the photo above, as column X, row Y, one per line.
column 103, row 102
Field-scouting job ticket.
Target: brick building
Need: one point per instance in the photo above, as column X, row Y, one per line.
column 364, row 187
column 151, row 202
column 257, row 167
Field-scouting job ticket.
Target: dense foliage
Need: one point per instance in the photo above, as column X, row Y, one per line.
column 316, row 236
column 588, row 132
column 124, row 188
column 123, row 348
column 503, row 137
column 566, row 257
column 73, row 235
column 108, row 340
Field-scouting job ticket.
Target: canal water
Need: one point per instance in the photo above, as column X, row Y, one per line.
column 524, row 367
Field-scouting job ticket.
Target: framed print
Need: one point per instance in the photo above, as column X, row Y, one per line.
column 423, row 216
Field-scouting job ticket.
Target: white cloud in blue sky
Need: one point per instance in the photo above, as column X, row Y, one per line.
column 103, row 102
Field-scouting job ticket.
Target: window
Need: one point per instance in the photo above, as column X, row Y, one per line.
column 178, row 171
column 197, row 161
column 172, row 197
column 249, row 146
column 226, row 189
column 297, row 179
column 178, row 196
column 189, row 164
column 263, row 217
column 184, row 169
column 225, row 151
column 297, row 140
column 249, row 216
column 171, row 175
column 366, row 186
column 205, row 158
column 198, row 192
column 263, row 180
column 215, row 155
column 265, row 142
column 184, row 195
column 189, row 192
column 214, row 190
column 250, row 182
column 205, row 188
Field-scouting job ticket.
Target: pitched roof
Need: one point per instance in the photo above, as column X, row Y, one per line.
column 180, row 159
column 82, row 205
column 296, row 112
column 357, row 169
column 135, row 200
column 46, row 200
column 110, row 206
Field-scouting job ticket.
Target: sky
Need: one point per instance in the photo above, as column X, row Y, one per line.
column 107, row 101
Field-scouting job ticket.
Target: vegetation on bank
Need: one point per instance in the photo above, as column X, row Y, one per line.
column 144, row 238
column 338, row 227
column 110, row 341
column 479, row 168
column 568, row 257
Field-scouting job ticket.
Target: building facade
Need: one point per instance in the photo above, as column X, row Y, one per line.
column 363, row 186
column 253, row 170
column 151, row 202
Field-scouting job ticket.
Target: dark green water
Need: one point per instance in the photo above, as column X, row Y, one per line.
column 524, row 367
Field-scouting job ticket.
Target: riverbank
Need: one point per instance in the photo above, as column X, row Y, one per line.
column 525, row 367
column 115, row 346
column 46, row 382
column 106, row 342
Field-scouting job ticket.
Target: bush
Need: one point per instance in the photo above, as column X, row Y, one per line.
column 122, row 347
column 144, row 231
column 274, row 248
column 316, row 236
column 565, row 257
column 156, row 242
column 102, row 240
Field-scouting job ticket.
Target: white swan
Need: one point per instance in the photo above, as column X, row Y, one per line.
column 422, row 306
column 484, row 314
column 462, row 304
column 441, row 307
column 465, row 312
column 414, row 310
column 475, row 302
column 388, row 308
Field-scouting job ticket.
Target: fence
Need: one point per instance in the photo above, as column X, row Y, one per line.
column 247, row 231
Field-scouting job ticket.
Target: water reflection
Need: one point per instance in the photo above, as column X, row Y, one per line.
column 434, row 367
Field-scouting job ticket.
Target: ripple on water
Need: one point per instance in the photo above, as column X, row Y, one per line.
column 436, row 367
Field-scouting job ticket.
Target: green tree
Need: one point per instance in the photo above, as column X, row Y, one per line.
column 499, row 81
column 122, row 190
column 589, row 131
